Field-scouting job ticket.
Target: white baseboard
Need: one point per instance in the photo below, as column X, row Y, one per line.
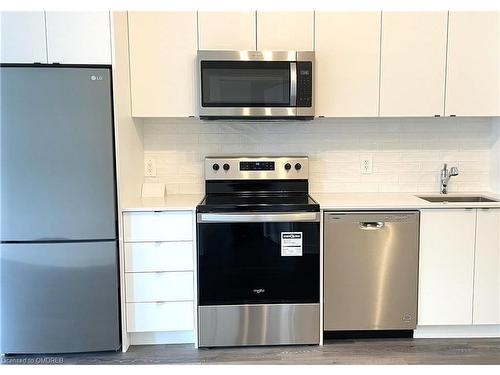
column 152, row 338
column 465, row 331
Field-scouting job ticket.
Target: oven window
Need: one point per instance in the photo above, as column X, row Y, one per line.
column 241, row 263
column 245, row 83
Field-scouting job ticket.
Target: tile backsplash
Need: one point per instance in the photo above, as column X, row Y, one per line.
column 407, row 153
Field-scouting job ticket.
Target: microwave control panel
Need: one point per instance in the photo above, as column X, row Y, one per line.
column 304, row 83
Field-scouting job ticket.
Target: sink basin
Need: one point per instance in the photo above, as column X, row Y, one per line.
column 456, row 198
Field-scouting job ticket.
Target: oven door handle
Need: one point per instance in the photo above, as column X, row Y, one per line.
column 258, row 217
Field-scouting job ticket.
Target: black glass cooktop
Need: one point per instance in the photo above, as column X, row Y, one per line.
column 257, row 202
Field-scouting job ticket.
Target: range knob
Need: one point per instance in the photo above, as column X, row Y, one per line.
column 215, row 167
column 288, row 166
column 226, row 167
column 298, row 166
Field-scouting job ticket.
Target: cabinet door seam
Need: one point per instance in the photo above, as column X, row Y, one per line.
column 474, row 264
column 446, row 61
column 46, row 37
column 380, row 63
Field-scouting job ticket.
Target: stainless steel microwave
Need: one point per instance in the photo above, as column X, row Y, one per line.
column 256, row 84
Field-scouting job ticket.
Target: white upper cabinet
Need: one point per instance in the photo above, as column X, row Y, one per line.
column 163, row 47
column 78, row 37
column 227, row 30
column 413, row 63
column 285, row 31
column 473, row 78
column 23, row 38
column 347, row 64
column 487, row 268
column 446, row 266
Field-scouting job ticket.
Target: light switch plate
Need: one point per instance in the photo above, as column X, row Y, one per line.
column 150, row 167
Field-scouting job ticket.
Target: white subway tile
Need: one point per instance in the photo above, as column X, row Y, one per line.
column 407, row 153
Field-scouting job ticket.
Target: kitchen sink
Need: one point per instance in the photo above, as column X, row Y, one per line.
column 456, row 198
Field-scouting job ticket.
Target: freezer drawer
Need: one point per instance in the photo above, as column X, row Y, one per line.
column 59, row 297
column 370, row 270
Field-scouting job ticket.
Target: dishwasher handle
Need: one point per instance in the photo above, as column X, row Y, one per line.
column 371, row 225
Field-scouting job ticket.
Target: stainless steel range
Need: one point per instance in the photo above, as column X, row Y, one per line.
column 258, row 253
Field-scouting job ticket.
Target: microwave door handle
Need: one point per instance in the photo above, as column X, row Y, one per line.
column 293, row 84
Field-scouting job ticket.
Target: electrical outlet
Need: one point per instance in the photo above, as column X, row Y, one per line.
column 366, row 164
column 150, row 168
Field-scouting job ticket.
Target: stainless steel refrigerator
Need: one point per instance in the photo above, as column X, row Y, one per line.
column 59, row 254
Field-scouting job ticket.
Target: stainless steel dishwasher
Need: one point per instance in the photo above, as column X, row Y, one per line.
column 370, row 270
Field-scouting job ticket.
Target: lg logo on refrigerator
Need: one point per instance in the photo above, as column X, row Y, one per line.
column 96, row 78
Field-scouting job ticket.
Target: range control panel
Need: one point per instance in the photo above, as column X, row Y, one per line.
column 257, row 165
column 256, row 168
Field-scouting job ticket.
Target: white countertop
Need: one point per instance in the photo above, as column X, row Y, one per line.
column 327, row 201
column 175, row 202
column 393, row 201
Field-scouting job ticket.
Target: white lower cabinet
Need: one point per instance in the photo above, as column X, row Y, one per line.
column 158, row 226
column 487, row 268
column 159, row 286
column 446, row 269
column 459, row 267
column 158, row 256
column 159, row 276
column 160, row 316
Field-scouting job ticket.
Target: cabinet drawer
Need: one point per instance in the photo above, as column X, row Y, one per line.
column 159, row 286
column 158, row 226
column 158, row 256
column 162, row 316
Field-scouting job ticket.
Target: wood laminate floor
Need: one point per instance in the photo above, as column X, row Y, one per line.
column 368, row 351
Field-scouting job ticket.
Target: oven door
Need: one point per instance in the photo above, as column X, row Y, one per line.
column 234, row 88
column 252, row 258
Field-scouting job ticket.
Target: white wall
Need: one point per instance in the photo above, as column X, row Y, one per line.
column 128, row 139
column 128, row 131
column 407, row 152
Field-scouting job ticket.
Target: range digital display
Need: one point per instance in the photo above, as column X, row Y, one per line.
column 257, row 166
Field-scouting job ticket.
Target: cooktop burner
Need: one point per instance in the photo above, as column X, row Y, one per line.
column 258, row 202
column 263, row 184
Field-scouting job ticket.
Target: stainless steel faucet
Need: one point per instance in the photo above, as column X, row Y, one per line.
column 446, row 174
